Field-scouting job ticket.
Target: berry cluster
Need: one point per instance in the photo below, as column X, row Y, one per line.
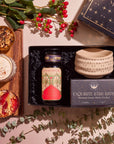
column 60, row 7
column 43, row 24
column 72, row 28
column 63, row 25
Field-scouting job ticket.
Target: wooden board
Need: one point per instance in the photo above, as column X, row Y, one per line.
column 15, row 52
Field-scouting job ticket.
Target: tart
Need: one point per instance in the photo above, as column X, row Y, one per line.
column 7, row 38
column 9, row 103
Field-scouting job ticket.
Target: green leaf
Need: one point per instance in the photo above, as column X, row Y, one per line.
column 16, row 4
column 30, row 10
column 12, row 139
column 8, row 125
column 9, row 1
column 19, row 139
column 27, row 2
column 22, row 135
column 17, row 14
column 50, row 11
column 14, row 123
column 3, row 134
column 109, row 135
column 5, row 129
column 36, row 112
column 1, row 1
column 3, row 9
column 21, row 119
column 13, row 23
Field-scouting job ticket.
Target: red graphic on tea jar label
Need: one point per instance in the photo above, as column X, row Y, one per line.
column 51, row 84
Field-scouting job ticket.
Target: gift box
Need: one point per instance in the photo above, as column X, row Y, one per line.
column 99, row 15
column 77, row 90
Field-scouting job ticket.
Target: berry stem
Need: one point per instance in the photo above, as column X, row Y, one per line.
column 13, row 7
column 3, row 13
column 41, row 7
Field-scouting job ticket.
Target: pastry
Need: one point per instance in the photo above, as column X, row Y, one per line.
column 9, row 103
column 7, row 38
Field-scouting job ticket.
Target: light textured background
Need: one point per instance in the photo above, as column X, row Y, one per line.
column 84, row 36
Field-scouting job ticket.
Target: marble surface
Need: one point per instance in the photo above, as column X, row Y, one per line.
column 84, row 36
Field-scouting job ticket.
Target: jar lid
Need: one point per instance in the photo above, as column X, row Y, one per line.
column 52, row 55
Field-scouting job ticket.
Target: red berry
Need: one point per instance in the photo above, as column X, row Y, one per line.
column 45, row 29
column 71, row 35
column 39, row 24
column 60, row 30
column 41, row 19
column 47, row 25
column 53, row 1
column 37, row 19
column 39, row 14
column 65, row 15
column 49, row 21
column 22, row 22
column 75, row 24
column 63, row 25
column 75, row 29
column 50, row 26
column 65, row 6
column 66, row 3
column 50, row 32
column 64, row 12
column 71, row 31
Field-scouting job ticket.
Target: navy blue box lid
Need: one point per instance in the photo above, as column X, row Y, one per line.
column 100, row 15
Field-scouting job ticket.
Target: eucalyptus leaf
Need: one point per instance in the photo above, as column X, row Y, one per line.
column 8, row 125
column 21, row 119
column 19, row 139
column 109, row 135
column 5, row 129
column 14, row 123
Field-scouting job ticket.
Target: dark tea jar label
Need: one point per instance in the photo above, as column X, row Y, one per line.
column 51, row 84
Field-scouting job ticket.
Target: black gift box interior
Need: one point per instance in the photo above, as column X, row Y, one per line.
column 36, row 63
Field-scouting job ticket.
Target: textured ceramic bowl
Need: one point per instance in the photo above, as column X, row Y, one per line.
column 94, row 62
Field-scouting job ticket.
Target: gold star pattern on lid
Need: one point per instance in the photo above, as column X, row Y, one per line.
column 100, row 13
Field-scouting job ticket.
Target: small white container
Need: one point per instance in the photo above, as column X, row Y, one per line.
column 7, row 68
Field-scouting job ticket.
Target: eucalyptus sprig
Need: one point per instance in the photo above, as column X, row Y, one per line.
column 76, row 128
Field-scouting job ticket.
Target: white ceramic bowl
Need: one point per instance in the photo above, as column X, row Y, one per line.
column 94, row 62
